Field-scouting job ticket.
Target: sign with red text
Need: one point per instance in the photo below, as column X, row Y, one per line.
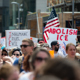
column 14, row 37
column 67, row 34
column 3, row 40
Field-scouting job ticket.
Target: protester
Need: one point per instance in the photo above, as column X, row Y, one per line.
column 5, row 58
column 27, row 47
column 4, row 53
column 40, row 40
column 71, row 51
column 16, row 53
column 8, row 72
column 62, row 68
column 38, row 58
column 55, row 47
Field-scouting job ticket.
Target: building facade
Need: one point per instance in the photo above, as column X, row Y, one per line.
column 63, row 9
column 4, row 16
column 9, row 14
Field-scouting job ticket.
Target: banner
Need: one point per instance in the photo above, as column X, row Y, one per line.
column 67, row 34
column 3, row 41
column 14, row 37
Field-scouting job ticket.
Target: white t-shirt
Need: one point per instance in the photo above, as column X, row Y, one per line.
column 59, row 54
column 27, row 76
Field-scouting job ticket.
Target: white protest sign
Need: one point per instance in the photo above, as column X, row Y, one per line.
column 67, row 34
column 14, row 37
column 3, row 41
column 34, row 39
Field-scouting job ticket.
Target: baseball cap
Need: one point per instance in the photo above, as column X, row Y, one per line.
column 54, row 43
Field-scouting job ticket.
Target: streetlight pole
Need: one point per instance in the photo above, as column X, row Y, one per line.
column 18, row 13
column 18, row 16
column 72, row 13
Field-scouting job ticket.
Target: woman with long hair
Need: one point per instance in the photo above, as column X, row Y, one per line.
column 38, row 58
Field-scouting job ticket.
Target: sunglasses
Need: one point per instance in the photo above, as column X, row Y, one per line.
column 41, row 59
column 4, row 54
column 16, row 54
column 24, row 46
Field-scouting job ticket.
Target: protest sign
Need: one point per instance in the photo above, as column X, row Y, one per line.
column 14, row 37
column 34, row 39
column 67, row 34
column 3, row 41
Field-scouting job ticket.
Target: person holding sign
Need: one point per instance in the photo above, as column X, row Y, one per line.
column 55, row 47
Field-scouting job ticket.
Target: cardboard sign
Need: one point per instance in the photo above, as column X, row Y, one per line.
column 67, row 34
column 14, row 37
column 3, row 41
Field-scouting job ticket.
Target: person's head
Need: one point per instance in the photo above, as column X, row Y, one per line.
column 71, row 50
column 8, row 72
column 62, row 68
column 45, row 45
column 39, row 57
column 40, row 40
column 55, row 45
column 27, row 46
column 16, row 53
column 4, row 53
column 78, row 50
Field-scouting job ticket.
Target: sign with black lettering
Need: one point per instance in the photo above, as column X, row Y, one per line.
column 14, row 37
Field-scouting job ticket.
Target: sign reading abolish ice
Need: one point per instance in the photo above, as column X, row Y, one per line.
column 67, row 34
column 14, row 37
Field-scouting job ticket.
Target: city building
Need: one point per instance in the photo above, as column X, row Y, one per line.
column 68, row 13
column 4, row 16
column 38, row 12
column 9, row 14
column 64, row 11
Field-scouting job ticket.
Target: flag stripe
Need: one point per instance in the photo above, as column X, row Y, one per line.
column 45, row 39
column 52, row 25
column 52, row 21
column 46, row 34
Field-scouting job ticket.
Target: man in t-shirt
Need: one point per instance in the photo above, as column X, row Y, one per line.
column 55, row 47
column 27, row 47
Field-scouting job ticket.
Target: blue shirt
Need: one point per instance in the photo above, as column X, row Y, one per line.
column 16, row 62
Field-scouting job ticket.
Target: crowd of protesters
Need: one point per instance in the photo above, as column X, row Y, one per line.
column 40, row 62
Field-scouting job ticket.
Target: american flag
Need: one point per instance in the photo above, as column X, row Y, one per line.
column 52, row 22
